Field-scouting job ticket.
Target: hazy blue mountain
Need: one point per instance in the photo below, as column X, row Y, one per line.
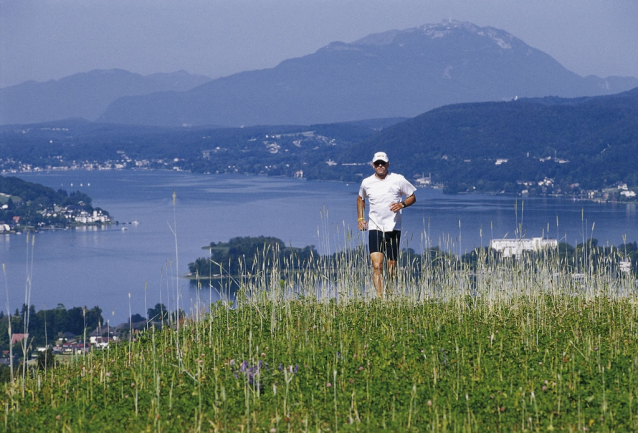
column 391, row 74
column 84, row 95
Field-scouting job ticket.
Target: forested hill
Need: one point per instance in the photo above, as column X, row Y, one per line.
column 592, row 142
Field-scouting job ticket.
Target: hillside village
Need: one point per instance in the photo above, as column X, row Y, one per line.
column 67, row 343
column 31, row 206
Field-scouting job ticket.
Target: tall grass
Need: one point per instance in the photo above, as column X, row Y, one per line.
column 516, row 344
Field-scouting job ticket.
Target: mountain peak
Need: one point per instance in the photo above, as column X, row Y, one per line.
column 440, row 30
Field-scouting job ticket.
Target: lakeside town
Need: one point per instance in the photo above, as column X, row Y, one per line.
column 620, row 192
column 27, row 206
column 73, row 214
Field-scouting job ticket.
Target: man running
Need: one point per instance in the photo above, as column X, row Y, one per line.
column 384, row 191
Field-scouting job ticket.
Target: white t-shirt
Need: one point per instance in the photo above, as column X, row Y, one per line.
column 381, row 193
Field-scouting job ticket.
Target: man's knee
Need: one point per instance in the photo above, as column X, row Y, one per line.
column 377, row 261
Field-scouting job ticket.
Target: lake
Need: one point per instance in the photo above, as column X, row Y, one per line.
column 102, row 267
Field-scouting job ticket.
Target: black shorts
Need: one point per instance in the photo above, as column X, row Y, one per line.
column 385, row 242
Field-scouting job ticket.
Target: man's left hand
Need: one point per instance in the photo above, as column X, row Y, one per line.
column 396, row 207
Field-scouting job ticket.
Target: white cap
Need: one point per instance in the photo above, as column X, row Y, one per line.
column 380, row 156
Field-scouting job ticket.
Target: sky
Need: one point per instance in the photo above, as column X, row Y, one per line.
column 50, row 39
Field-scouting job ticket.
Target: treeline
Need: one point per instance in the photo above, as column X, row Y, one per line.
column 587, row 256
column 46, row 325
column 253, row 255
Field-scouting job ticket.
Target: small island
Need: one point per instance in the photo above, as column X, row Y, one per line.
column 241, row 254
column 31, row 206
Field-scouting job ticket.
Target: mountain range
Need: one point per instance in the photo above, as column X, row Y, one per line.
column 85, row 95
column 391, row 74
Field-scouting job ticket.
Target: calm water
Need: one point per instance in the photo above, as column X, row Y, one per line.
column 102, row 266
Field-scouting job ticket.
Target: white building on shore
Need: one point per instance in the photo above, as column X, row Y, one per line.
column 515, row 247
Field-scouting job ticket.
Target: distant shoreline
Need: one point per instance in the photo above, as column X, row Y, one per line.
column 435, row 187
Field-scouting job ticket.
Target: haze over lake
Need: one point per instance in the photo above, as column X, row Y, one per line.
column 101, row 266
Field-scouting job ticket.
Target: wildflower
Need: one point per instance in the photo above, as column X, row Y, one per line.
column 540, row 362
column 544, row 388
column 429, row 402
column 328, row 384
column 360, row 368
column 502, row 408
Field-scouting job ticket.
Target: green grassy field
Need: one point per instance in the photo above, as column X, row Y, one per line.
column 509, row 346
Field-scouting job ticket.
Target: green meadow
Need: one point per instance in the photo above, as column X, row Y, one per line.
column 499, row 345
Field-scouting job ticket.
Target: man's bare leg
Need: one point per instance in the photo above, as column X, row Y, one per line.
column 377, row 272
column 392, row 276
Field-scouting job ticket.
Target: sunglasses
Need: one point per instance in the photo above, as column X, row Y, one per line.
column 378, row 163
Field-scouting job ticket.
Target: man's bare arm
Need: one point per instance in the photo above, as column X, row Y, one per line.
column 362, row 224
